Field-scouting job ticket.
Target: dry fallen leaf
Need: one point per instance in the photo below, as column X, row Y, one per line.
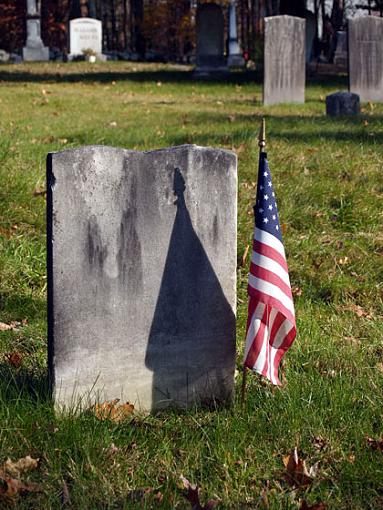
column 319, row 443
column 15, row 359
column 376, row 444
column 316, row 506
column 111, row 411
column 192, row 495
column 297, row 473
column 358, row 310
column 39, row 192
column 11, row 325
column 65, row 495
column 11, row 487
column 20, row 466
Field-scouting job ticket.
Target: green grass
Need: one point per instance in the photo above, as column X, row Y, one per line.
column 328, row 178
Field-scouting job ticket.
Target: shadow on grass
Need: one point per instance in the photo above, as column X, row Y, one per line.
column 69, row 74
column 24, row 383
column 21, row 307
column 106, row 76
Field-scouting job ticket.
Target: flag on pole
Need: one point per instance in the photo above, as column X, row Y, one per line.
column 271, row 317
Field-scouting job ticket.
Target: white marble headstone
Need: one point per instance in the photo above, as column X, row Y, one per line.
column 85, row 33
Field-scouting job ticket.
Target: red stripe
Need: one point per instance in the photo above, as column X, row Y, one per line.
column 270, row 300
column 278, row 320
column 268, row 251
column 256, row 344
column 269, row 276
column 289, row 339
column 250, row 311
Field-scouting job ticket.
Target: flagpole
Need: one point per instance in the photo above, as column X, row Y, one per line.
column 261, row 145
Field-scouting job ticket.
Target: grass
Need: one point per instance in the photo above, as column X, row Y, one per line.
column 328, row 178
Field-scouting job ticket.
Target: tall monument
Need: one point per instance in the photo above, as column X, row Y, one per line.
column 34, row 50
column 235, row 58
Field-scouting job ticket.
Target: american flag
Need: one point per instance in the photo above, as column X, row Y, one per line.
column 271, row 317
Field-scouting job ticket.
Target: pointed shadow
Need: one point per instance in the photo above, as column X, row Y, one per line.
column 191, row 346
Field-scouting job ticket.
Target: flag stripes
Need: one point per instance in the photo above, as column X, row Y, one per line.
column 271, row 317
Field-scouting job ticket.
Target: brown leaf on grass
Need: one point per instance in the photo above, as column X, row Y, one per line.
column 375, row 444
column 297, row 473
column 358, row 310
column 297, row 291
column 11, row 325
column 38, row 192
column 16, row 468
column 12, row 487
column 111, row 411
column 319, row 443
column 14, row 358
column 316, row 506
column 192, row 495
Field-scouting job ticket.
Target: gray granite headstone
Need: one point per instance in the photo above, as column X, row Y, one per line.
column 141, row 275
column 210, row 38
column 284, row 60
column 365, row 45
column 342, row 103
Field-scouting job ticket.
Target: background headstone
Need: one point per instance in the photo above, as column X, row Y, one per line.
column 142, row 275
column 85, row 34
column 311, row 27
column 341, row 52
column 34, row 49
column 342, row 103
column 365, row 49
column 210, row 38
column 284, row 60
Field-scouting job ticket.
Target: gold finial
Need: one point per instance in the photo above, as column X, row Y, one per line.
column 262, row 135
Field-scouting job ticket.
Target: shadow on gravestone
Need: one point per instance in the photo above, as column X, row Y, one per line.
column 191, row 299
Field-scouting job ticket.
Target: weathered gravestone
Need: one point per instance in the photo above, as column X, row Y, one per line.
column 142, row 275
column 365, row 45
column 210, row 39
column 85, row 34
column 342, row 103
column 284, row 60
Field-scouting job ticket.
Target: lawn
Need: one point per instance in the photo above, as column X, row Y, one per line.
column 328, row 178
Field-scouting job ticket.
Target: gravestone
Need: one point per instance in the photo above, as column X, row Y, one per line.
column 141, row 275
column 210, row 39
column 34, row 49
column 311, row 27
column 284, row 60
column 342, row 103
column 365, row 45
column 341, row 52
column 85, row 34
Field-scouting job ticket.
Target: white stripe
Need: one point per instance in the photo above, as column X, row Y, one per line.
column 260, row 363
column 272, row 291
column 270, row 240
column 273, row 314
column 254, row 327
column 271, row 265
column 283, row 331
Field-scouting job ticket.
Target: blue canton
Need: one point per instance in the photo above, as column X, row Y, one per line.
column 265, row 209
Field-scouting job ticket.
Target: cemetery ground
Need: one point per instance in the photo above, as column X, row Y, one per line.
column 328, row 178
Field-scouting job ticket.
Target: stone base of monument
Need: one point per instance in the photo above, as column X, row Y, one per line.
column 342, row 103
column 80, row 56
column 36, row 53
column 206, row 71
column 236, row 61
